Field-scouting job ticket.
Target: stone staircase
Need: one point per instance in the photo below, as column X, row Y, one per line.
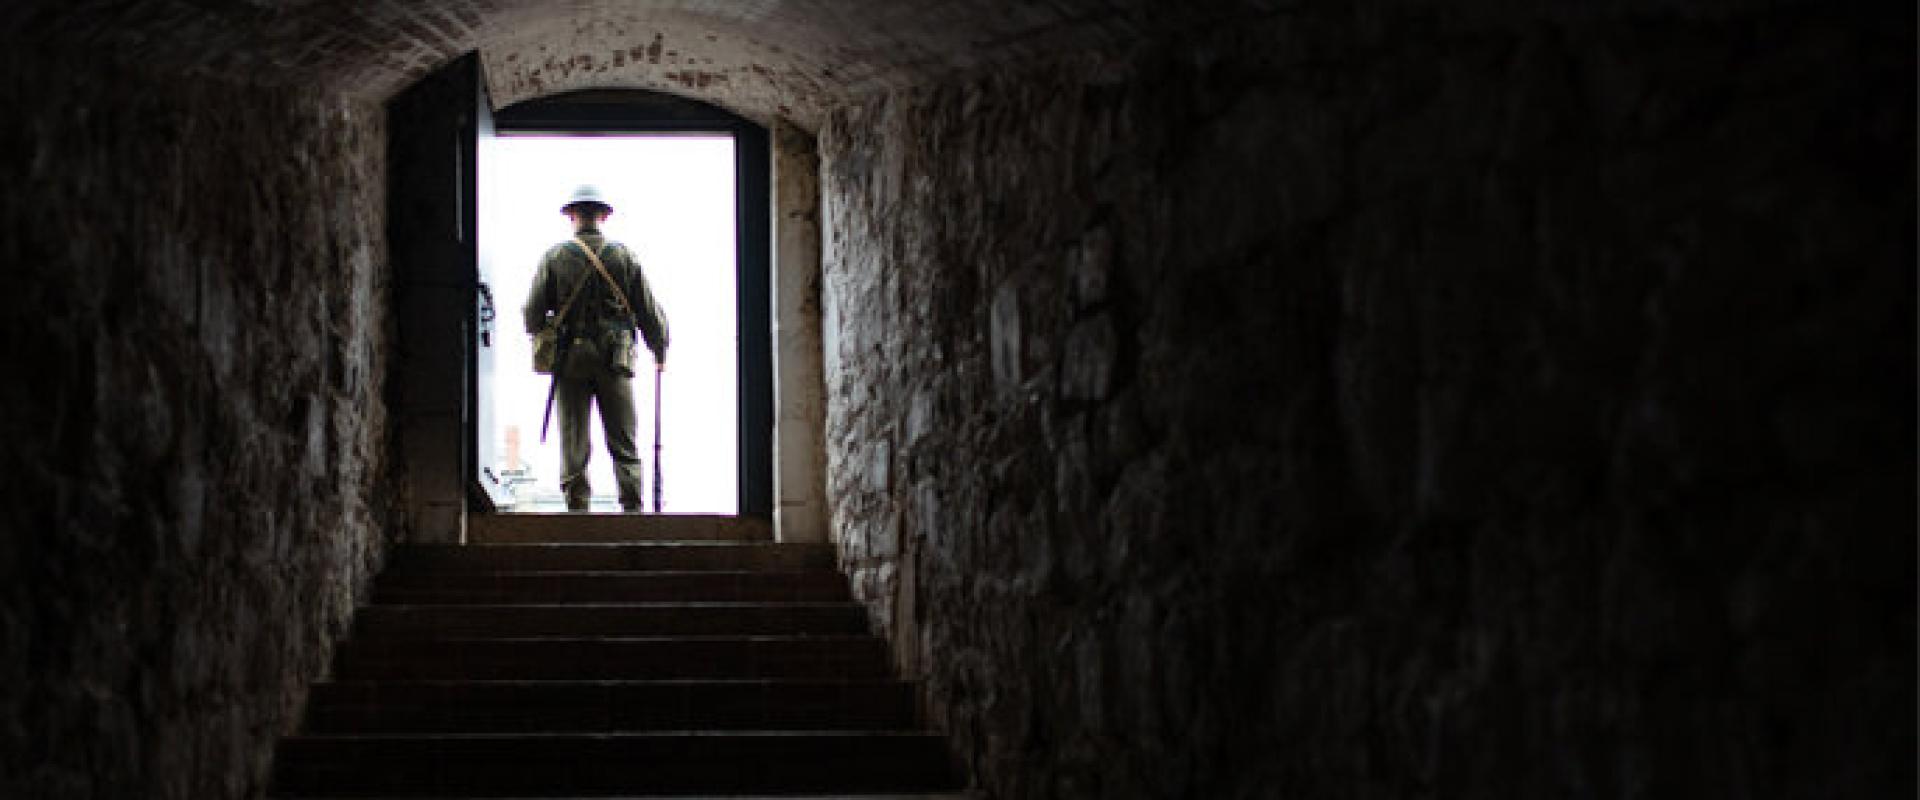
column 608, row 655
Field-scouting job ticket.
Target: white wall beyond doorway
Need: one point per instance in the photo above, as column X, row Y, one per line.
column 673, row 198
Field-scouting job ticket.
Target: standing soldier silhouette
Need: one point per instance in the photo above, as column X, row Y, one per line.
column 594, row 295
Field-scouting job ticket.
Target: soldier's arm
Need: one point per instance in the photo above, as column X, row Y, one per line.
column 540, row 297
column 646, row 310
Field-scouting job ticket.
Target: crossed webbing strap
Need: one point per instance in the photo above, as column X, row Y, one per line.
column 618, row 294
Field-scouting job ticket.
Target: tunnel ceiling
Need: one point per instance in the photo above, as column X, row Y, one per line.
column 761, row 58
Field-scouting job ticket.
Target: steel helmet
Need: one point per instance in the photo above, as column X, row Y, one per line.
column 587, row 193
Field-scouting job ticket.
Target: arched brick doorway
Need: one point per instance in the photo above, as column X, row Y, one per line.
column 436, row 131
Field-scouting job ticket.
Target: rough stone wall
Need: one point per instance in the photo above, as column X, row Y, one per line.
column 1395, row 404
column 195, row 329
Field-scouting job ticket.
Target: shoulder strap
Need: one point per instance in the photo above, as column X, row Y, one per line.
column 571, row 296
column 611, row 283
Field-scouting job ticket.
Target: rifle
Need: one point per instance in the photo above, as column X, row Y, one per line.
column 658, row 370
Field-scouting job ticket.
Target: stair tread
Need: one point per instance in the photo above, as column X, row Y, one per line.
column 593, row 605
column 701, row 733
column 608, row 656
column 491, row 528
column 389, row 621
column 563, row 573
column 558, row 682
column 822, row 657
column 808, row 796
column 461, row 588
column 640, row 545
column 696, row 637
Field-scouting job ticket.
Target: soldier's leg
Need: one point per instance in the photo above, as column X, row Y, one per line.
column 617, row 419
column 573, row 400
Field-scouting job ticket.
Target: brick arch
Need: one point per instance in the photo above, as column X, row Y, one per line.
column 759, row 69
column 720, row 65
column 762, row 59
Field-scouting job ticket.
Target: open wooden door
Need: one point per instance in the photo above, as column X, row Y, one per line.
column 490, row 492
column 442, row 314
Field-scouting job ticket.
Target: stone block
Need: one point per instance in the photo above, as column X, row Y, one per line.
column 1004, row 339
column 883, row 538
column 878, row 466
column 1092, row 267
column 1090, row 360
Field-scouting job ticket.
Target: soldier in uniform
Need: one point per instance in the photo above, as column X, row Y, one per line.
column 597, row 350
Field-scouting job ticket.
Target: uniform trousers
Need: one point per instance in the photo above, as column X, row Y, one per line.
column 575, row 398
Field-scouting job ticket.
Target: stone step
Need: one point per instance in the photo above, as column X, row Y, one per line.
column 649, row 556
column 610, row 587
column 954, row 795
column 607, row 528
column 613, row 655
column 845, row 618
column 653, row 658
column 608, row 706
column 506, row 765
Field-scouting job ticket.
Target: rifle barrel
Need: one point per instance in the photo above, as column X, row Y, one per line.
column 656, row 439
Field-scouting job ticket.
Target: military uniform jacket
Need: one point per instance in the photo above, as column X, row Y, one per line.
column 596, row 311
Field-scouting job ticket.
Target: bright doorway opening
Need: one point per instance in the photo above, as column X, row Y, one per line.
column 674, row 205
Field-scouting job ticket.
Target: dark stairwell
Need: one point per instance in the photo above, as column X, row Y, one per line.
column 1234, row 399
column 562, row 656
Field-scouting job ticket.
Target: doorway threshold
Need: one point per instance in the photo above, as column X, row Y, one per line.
column 613, row 528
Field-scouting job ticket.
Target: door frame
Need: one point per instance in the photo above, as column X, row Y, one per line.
column 623, row 111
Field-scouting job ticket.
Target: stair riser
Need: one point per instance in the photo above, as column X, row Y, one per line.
column 427, row 622
column 614, row 588
column 607, row 655
column 550, row 766
column 578, row 528
column 396, row 718
column 469, row 558
column 644, row 660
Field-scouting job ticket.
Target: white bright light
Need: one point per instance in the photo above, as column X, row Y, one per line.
column 673, row 199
